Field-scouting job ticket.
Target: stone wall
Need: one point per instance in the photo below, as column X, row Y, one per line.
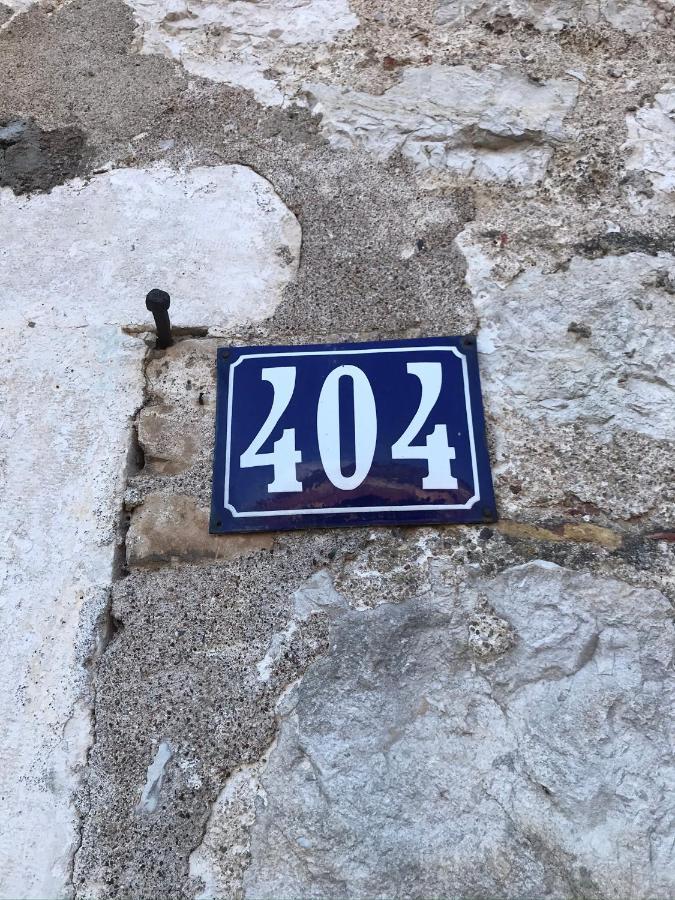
column 412, row 712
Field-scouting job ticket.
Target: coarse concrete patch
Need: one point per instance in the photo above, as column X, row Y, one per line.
column 32, row 159
column 188, row 650
column 48, row 76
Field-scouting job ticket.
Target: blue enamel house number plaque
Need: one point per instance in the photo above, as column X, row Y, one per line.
column 350, row 434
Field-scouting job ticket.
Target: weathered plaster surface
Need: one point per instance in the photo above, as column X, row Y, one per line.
column 68, row 396
column 75, row 266
column 632, row 16
column 650, row 146
column 583, row 359
column 493, row 124
column 239, row 42
column 205, row 229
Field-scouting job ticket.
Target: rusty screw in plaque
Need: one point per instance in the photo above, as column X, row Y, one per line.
column 158, row 303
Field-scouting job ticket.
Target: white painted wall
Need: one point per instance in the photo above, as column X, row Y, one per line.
column 77, row 263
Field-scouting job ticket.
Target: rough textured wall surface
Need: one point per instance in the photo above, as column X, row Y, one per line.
column 409, row 712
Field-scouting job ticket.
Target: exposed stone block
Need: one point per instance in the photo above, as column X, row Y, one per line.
column 596, row 406
column 170, row 527
column 169, row 446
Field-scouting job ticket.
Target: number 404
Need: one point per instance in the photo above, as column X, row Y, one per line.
column 285, row 455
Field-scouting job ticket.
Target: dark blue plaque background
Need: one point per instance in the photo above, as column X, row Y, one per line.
column 391, row 485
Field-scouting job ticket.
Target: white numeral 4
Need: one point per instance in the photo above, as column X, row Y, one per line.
column 436, row 451
column 284, row 456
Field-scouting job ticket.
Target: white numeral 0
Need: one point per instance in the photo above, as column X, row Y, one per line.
column 328, row 426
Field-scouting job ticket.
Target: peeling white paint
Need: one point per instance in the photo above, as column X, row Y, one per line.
column 85, row 254
column 155, row 779
column 239, row 41
column 492, row 125
column 75, row 266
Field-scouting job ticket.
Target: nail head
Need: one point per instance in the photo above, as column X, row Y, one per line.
column 157, row 299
